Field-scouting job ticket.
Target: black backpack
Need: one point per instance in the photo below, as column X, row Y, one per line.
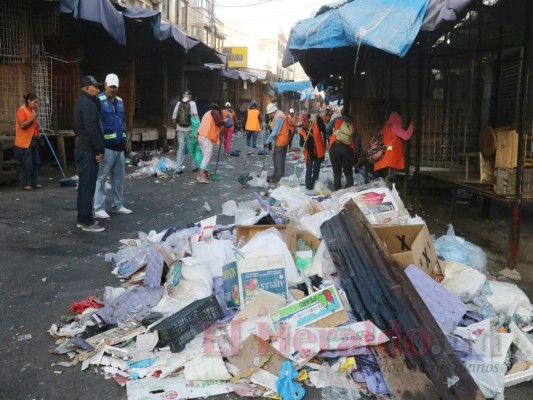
column 184, row 114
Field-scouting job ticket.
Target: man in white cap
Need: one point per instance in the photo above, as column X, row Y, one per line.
column 184, row 110
column 280, row 136
column 113, row 166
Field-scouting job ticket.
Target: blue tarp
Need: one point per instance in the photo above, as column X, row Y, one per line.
column 389, row 25
column 293, row 86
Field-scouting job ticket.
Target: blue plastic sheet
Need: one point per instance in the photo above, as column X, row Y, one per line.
column 389, row 25
column 285, row 385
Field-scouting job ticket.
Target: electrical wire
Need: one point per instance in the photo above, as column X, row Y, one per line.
column 245, row 5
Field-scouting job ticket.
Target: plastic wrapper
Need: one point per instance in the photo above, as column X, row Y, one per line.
column 505, row 297
column 229, row 208
column 455, row 248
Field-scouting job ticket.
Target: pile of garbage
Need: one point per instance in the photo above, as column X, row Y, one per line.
column 259, row 307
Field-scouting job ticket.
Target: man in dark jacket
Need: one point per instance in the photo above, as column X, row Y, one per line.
column 90, row 149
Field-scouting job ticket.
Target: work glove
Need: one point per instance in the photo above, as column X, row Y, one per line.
column 269, row 145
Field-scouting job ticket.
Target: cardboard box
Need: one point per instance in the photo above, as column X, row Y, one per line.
column 310, row 309
column 246, row 232
column 244, row 279
column 377, row 204
column 410, row 244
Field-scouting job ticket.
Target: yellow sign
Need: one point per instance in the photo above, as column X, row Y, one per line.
column 237, row 56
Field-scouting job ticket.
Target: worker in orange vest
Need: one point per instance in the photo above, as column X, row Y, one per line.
column 314, row 150
column 280, row 136
column 208, row 135
column 342, row 151
column 252, row 126
column 393, row 137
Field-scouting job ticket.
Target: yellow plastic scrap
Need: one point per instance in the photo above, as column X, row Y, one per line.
column 272, row 395
column 348, row 366
column 302, row 376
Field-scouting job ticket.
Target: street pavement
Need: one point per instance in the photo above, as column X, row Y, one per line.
column 47, row 263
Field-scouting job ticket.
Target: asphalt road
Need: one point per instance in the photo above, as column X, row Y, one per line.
column 47, row 263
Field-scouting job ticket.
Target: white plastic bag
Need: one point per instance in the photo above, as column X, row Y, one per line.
column 505, row 297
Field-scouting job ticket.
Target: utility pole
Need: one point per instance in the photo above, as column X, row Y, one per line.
column 212, row 25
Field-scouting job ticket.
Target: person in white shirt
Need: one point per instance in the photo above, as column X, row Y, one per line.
column 184, row 110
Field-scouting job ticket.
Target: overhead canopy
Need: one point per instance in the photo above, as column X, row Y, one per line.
column 99, row 11
column 112, row 20
column 388, row 25
column 293, row 86
column 328, row 43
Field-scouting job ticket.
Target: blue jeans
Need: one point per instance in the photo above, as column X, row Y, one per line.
column 182, row 138
column 30, row 162
column 88, row 172
column 251, row 139
column 113, row 166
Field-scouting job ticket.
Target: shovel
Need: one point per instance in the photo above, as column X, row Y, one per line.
column 63, row 182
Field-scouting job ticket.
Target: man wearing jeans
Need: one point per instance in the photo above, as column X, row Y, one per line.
column 280, row 137
column 112, row 116
column 184, row 110
column 89, row 151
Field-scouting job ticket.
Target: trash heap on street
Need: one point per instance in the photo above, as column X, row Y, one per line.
column 344, row 292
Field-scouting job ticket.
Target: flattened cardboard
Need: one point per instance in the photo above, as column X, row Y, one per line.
column 253, row 350
column 261, row 273
column 410, row 244
column 310, row 309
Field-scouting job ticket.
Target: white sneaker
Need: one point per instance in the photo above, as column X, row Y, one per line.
column 101, row 214
column 92, row 228
column 122, row 210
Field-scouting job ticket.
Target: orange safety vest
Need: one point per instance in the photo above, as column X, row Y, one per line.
column 252, row 120
column 336, row 127
column 283, row 136
column 208, row 128
column 23, row 136
column 393, row 157
column 291, row 119
column 318, row 139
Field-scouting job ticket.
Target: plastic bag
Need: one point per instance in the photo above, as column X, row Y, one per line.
column 505, row 297
column 285, row 385
column 192, row 143
column 455, row 248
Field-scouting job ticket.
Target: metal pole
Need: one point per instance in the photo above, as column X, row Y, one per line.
column 514, row 240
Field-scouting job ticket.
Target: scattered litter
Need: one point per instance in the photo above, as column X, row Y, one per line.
column 264, row 307
column 26, row 336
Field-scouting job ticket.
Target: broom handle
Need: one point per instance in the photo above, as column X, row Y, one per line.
column 303, row 147
column 51, row 148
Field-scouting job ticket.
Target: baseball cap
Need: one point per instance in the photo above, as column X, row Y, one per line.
column 187, row 92
column 291, row 111
column 302, row 118
column 253, row 103
column 88, row 80
column 111, row 80
column 228, row 104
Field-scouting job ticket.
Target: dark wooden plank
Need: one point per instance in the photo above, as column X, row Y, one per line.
column 418, row 360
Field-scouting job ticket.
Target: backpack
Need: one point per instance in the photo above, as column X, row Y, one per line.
column 184, row 114
column 229, row 120
column 375, row 150
column 345, row 133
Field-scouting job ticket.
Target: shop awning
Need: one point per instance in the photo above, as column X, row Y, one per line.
column 293, row 86
column 112, row 20
column 99, row 11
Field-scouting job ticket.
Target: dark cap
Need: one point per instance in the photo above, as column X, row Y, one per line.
column 187, row 93
column 89, row 80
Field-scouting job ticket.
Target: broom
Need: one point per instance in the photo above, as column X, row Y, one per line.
column 65, row 181
column 215, row 176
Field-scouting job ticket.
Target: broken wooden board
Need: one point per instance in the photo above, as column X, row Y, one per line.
column 422, row 360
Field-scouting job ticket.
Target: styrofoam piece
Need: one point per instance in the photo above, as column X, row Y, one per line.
column 519, row 377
